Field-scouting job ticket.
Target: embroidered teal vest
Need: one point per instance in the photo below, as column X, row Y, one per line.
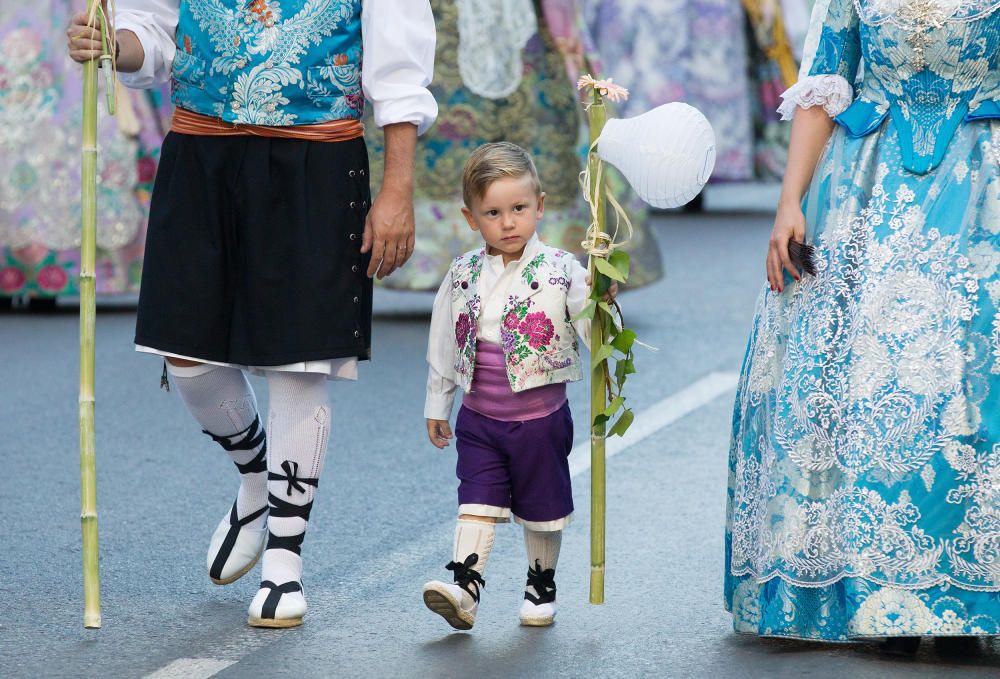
column 539, row 343
column 269, row 62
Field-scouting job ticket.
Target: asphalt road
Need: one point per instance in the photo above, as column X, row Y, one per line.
column 382, row 522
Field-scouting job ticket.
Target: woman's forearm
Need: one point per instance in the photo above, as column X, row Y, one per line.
column 811, row 129
column 130, row 52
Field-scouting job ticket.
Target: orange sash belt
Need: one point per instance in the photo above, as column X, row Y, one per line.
column 189, row 122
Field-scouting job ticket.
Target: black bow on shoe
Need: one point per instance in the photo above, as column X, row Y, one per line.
column 544, row 583
column 465, row 575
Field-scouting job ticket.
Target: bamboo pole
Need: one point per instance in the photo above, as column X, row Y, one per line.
column 598, row 398
column 88, row 291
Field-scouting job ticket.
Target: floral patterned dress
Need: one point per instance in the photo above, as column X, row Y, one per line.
column 40, row 114
column 529, row 99
column 695, row 52
column 864, row 491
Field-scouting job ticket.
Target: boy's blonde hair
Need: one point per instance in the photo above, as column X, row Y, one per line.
column 490, row 162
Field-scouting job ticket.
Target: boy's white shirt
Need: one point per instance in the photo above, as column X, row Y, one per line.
column 494, row 284
column 398, row 40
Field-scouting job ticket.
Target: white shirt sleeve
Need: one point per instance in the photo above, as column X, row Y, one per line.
column 399, row 41
column 154, row 22
column 441, row 378
column 576, row 299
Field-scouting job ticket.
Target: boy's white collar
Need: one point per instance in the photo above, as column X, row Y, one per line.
column 529, row 251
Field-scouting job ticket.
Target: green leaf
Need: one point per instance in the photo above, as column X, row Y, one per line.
column 587, row 312
column 606, row 308
column 614, row 406
column 603, row 354
column 600, row 419
column 620, row 372
column 621, row 262
column 623, row 340
column 629, row 367
column 605, row 267
column 623, row 423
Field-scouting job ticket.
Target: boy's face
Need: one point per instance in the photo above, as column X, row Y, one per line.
column 506, row 215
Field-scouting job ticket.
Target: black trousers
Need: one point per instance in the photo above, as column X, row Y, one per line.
column 253, row 253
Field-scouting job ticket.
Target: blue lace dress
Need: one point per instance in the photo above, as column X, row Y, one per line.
column 864, row 470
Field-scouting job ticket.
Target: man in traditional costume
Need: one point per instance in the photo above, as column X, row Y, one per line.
column 263, row 239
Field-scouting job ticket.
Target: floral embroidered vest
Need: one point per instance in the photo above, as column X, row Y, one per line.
column 539, row 343
column 269, row 62
column 928, row 65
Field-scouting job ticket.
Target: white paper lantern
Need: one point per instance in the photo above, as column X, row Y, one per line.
column 666, row 154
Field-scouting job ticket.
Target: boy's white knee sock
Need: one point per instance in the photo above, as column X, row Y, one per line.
column 472, row 537
column 543, row 555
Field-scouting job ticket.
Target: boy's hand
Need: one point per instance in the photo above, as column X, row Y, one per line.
column 439, row 432
column 612, row 292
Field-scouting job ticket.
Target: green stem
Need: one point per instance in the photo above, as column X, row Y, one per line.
column 88, row 253
column 598, row 397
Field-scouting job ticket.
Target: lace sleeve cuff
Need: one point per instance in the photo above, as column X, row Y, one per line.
column 832, row 92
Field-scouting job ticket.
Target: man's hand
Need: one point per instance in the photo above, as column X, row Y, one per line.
column 389, row 231
column 389, row 227
column 84, row 43
column 439, row 432
column 84, row 39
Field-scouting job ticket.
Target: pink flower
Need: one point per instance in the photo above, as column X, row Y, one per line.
column 538, row 329
column 462, row 329
column 606, row 87
column 511, row 321
column 53, row 278
column 12, row 279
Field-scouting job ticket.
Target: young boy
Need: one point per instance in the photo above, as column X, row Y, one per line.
column 501, row 331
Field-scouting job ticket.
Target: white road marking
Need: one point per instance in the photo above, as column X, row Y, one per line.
column 648, row 422
column 191, row 668
column 657, row 416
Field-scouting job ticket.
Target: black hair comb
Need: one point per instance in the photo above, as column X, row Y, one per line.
column 802, row 256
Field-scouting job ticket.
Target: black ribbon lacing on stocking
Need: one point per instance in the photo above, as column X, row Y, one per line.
column 248, row 439
column 465, row 576
column 543, row 582
column 282, row 509
column 290, row 477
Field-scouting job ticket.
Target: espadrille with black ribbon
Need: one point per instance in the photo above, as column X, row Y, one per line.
column 238, row 541
column 539, row 606
column 283, row 604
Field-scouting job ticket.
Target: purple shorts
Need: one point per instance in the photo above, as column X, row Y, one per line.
column 520, row 465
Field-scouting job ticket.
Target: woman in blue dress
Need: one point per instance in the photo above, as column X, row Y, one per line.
column 864, row 486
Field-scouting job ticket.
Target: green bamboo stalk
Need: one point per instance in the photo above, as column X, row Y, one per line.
column 598, row 393
column 88, row 291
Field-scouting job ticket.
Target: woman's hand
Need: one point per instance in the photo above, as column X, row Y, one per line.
column 789, row 223
column 84, row 39
column 439, row 432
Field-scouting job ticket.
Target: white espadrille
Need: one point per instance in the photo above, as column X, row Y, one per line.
column 235, row 547
column 537, row 615
column 278, row 605
column 539, row 606
column 452, row 603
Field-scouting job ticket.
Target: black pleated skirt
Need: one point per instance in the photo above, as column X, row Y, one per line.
column 253, row 253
